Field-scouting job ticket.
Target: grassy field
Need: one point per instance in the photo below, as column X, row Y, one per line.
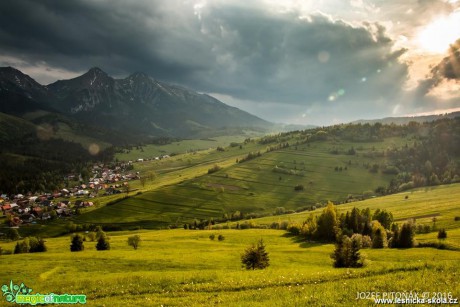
column 186, row 268
column 179, row 147
column 442, row 202
column 183, row 191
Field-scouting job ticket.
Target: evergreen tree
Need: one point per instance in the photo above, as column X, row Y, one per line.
column 367, row 230
column 255, row 257
column 354, row 221
column 103, row 242
column 356, row 260
column 76, row 244
column 339, row 254
column 380, row 238
column 406, row 236
column 347, row 253
column 394, row 241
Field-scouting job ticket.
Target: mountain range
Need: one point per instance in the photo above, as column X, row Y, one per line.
column 135, row 105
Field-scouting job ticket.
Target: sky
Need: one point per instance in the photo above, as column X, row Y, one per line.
column 293, row 61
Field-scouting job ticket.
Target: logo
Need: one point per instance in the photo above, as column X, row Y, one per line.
column 21, row 294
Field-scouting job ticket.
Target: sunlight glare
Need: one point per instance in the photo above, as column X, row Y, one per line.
column 437, row 36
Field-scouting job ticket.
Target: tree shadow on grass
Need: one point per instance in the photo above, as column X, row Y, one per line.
column 303, row 243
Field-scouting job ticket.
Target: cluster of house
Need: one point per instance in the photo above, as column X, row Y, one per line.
column 22, row 209
column 25, row 209
column 151, row 159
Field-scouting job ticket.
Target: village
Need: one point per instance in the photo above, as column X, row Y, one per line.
column 19, row 209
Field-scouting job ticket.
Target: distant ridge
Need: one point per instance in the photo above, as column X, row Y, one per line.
column 407, row 119
column 136, row 104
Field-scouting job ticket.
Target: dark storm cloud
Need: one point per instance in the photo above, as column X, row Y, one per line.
column 80, row 34
column 447, row 69
column 242, row 50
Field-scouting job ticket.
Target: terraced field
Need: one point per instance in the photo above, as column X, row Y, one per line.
column 183, row 191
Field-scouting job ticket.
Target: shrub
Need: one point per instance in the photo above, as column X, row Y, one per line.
column 299, row 187
column 37, row 245
column 358, row 238
column 220, row 238
column 134, row 241
column 248, row 224
column 255, row 257
column 284, row 225
column 245, row 225
column 367, row 242
column 76, row 244
column 211, row 237
column 103, row 243
column 442, row 234
column 214, row 169
column 294, row 229
column 13, row 234
column 22, row 247
column 91, row 236
column 457, row 218
column 275, row 225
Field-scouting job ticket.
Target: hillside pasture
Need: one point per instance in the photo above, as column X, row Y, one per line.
column 183, row 190
column 185, row 267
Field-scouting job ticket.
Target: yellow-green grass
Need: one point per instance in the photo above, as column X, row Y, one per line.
column 183, row 191
column 452, row 240
column 441, row 202
column 186, row 268
column 183, row 146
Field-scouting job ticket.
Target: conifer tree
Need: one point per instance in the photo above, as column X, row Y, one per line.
column 76, row 244
column 255, row 257
column 103, row 242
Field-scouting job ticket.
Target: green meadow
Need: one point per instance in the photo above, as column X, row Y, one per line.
column 178, row 267
column 181, row 189
column 423, row 204
column 178, row 147
column 186, row 268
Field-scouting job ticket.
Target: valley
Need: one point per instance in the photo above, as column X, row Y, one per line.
column 230, row 153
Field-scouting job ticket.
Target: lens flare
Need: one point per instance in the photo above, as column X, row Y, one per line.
column 93, row 149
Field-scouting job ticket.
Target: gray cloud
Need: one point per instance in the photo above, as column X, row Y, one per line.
column 449, row 67
column 329, row 68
